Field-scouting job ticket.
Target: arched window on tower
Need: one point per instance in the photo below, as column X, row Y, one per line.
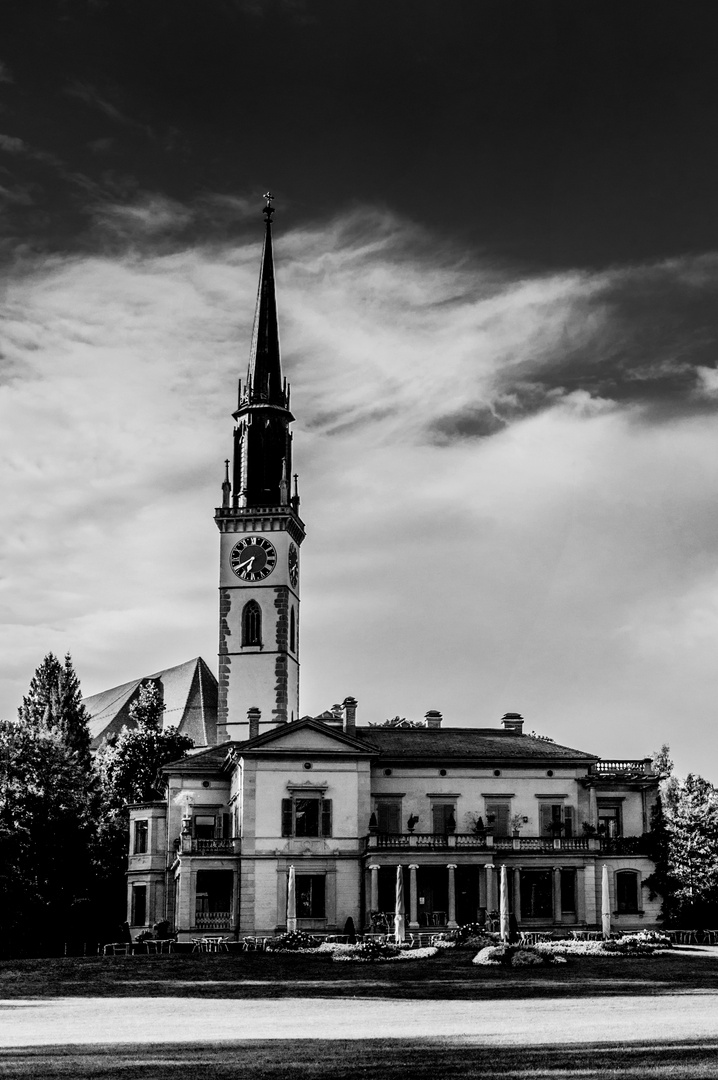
column 292, row 632
column 252, row 623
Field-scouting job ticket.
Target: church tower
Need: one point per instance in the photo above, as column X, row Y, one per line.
column 260, row 535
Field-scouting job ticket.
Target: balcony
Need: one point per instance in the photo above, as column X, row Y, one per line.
column 629, row 767
column 188, row 845
column 526, row 845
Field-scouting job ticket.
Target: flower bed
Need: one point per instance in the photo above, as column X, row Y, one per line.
column 295, row 941
column 515, row 956
column 368, row 952
column 643, row 943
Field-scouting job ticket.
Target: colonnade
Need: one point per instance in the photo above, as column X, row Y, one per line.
column 585, row 890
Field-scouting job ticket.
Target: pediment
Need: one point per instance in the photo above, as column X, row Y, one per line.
column 306, row 735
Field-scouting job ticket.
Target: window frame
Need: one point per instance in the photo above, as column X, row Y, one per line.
column 621, row 876
column 252, row 625
column 289, row 816
column 141, row 836
column 139, row 889
column 317, row 896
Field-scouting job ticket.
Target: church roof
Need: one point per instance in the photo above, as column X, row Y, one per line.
column 486, row 744
column 189, row 692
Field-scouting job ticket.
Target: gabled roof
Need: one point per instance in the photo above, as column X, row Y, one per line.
column 308, row 733
column 485, row 744
column 189, row 692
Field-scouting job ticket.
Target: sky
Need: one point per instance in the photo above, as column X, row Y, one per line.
column 496, row 247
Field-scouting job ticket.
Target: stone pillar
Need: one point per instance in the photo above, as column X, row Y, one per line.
column 413, row 897
column 517, row 893
column 593, row 917
column 490, row 890
column 580, row 895
column 592, row 807
column 557, row 894
column 374, row 889
column 451, row 867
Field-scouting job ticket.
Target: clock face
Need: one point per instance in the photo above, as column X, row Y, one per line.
column 253, row 558
column 293, row 565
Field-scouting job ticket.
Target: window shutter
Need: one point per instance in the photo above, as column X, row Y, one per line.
column 501, row 827
column 326, row 817
column 568, row 821
column 388, row 817
column 225, row 827
column 437, row 813
column 286, row 817
column 545, row 818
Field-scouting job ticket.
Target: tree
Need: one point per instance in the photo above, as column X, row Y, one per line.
column 54, row 700
column 684, row 845
column 130, row 762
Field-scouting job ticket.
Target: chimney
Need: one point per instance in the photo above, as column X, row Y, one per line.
column 433, row 718
column 350, row 715
column 513, row 722
column 253, row 716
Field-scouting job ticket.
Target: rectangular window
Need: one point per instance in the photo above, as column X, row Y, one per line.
column 443, row 816
column 568, row 891
column 204, row 826
column 497, row 817
column 214, row 891
column 141, row 837
column 307, row 817
column 388, row 815
column 139, row 905
column 310, row 896
column 609, row 820
column 627, row 892
column 536, row 894
column 555, row 819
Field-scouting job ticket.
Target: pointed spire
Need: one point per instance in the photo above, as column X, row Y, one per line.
column 264, row 375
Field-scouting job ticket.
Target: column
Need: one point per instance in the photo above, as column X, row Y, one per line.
column 374, row 889
column 580, row 895
column 591, row 909
column 490, row 890
column 413, row 909
column 592, row 807
column 557, row 894
column 517, row 893
column 451, row 867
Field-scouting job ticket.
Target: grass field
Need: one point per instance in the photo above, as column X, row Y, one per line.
column 450, row 974
column 434, row 984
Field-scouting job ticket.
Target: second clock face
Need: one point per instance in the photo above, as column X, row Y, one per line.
column 293, row 565
column 253, row 558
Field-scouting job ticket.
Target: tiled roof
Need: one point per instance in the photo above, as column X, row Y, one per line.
column 472, row 743
column 190, row 696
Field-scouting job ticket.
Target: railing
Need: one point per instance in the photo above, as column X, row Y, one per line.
column 545, row 843
column 189, row 846
column 625, row 845
column 213, row 920
column 427, row 841
column 631, row 766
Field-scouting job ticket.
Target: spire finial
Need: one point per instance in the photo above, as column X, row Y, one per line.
column 268, row 209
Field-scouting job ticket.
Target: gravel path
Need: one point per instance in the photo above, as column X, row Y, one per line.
column 621, row 1018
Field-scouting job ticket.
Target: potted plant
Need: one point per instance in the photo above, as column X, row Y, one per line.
column 516, row 823
column 411, row 823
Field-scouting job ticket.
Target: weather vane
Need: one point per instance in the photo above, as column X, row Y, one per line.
column 269, row 209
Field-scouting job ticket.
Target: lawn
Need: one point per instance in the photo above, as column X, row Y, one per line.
column 450, row 974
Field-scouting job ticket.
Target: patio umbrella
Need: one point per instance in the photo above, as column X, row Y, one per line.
column 399, row 918
column 291, row 901
column 605, row 904
column 504, row 905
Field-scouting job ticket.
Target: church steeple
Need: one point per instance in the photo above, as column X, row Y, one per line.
column 261, row 533
column 262, row 442
column 264, row 373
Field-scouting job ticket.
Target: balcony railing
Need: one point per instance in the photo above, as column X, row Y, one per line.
column 619, row 845
column 624, row 767
column 213, row 920
column 188, row 845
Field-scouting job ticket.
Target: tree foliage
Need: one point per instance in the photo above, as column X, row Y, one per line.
column 684, row 845
column 49, row 810
column 130, row 762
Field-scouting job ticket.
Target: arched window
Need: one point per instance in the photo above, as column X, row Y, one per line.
column 252, row 624
column 627, row 892
column 292, row 632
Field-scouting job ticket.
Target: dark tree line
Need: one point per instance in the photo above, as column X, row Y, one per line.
column 63, row 816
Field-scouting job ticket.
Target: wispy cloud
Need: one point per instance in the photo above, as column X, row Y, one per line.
column 499, row 517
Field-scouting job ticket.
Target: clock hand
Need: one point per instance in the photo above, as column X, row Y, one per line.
column 248, row 563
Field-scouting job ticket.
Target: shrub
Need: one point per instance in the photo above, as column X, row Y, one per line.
column 491, row 956
column 526, row 958
column 294, row 941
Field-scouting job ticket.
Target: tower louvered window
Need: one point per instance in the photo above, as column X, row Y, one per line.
column 252, row 624
column 292, row 632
